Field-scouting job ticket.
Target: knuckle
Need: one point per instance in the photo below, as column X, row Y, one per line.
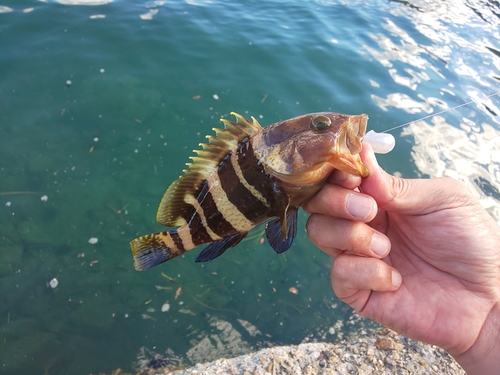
column 312, row 227
column 379, row 271
column 342, row 268
column 359, row 239
column 400, row 187
column 462, row 195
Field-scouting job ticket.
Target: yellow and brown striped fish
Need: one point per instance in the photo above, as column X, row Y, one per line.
column 246, row 175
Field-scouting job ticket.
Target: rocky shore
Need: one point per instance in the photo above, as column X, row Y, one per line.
column 379, row 351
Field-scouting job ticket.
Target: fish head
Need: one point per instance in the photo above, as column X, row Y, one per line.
column 306, row 149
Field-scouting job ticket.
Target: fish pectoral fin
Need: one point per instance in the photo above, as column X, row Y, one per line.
column 217, row 248
column 280, row 235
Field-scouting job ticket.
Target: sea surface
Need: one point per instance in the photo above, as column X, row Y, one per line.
column 101, row 105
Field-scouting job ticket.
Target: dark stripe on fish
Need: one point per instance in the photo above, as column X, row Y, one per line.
column 177, row 241
column 254, row 173
column 215, row 220
column 198, row 232
column 250, row 206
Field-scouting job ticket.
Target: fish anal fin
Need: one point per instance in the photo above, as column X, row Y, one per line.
column 217, row 248
column 281, row 232
column 173, row 210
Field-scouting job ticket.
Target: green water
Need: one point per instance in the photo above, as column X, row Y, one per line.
column 91, row 158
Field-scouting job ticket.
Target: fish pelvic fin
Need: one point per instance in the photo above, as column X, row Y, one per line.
column 281, row 232
column 153, row 249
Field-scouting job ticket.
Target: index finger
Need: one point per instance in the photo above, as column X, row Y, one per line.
column 344, row 179
column 336, row 201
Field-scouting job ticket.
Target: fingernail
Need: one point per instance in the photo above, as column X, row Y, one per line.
column 380, row 244
column 373, row 158
column 396, row 279
column 359, row 206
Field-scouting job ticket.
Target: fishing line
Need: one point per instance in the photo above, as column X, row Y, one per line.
column 437, row 113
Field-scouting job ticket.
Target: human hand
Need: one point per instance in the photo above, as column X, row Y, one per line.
column 421, row 257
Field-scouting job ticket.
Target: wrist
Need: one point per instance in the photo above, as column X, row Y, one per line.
column 483, row 357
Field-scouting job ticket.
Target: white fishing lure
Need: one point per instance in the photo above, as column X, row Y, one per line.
column 382, row 143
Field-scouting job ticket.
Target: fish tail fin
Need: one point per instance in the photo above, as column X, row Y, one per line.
column 153, row 249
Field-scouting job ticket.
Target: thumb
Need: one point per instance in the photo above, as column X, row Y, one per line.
column 405, row 196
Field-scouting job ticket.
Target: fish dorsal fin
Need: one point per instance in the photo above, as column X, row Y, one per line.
column 173, row 210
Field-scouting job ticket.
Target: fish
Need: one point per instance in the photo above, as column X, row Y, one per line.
column 247, row 175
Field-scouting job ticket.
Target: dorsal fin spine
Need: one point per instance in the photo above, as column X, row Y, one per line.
column 230, row 133
column 255, row 123
column 202, row 153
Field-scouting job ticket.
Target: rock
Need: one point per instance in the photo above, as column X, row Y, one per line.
column 338, row 358
column 270, row 367
column 384, row 331
column 422, row 362
column 384, row 343
column 388, row 361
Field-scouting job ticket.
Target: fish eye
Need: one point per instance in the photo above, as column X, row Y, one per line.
column 320, row 122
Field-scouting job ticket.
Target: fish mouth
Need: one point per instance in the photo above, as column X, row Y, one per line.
column 348, row 146
column 355, row 132
column 353, row 165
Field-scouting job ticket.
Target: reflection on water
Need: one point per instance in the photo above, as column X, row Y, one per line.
column 402, row 101
column 487, row 10
column 453, row 54
column 462, row 153
column 442, row 51
column 224, row 340
column 84, row 2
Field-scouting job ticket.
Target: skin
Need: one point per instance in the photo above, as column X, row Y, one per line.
column 420, row 256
